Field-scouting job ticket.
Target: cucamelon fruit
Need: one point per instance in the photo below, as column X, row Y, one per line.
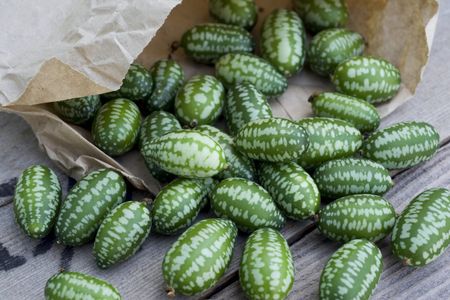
column 322, row 14
column 352, row 272
column 87, row 204
column 116, row 126
column 349, row 176
column 267, row 268
column 78, row 110
column 275, row 140
column 241, row 13
column 199, row 257
column 247, row 204
column 36, row 200
column 291, row 188
column 422, row 231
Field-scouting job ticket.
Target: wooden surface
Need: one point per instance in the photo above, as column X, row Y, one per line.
column 26, row 264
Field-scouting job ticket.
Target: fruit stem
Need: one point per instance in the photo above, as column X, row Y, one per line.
column 170, row 292
column 313, row 95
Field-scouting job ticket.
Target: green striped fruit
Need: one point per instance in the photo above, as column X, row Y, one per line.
column 422, row 231
column 200, row 101
column 328, row 139
column 349, row 176
column 267, row 268
column 361, row 216
column 275, row 140
column 283, row 41
column 330, row 47
column 239, row 165
column 352, row 272
column 205, row 43
column 291, row 188
column 241, row 13
column 121, row 233
column 244, row 67
column 361, row 114
column 116, row 127
column 36, row 200
column 87, row 204
column 372, row 79
column 322, row 14
column 136, row 86
column 402, row 145
column 177, row 204
column 74, row 285
column 186, row 153
column 200, row 256
column 168, row 78
column 78, row 110
column 247, row 204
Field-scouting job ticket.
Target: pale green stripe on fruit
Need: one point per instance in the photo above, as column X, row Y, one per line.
column 234, row 12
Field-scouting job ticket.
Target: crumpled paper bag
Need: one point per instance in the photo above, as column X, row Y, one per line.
column 54, row 50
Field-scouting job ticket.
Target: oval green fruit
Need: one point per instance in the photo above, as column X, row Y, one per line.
column 116, row 126
column 328, row 139
column 372, row 79
column 322, row 14
column 349, row 176
column 244, row 67
column 87, row 204
column 330, row 47
column 422, row 231
column 275, row 140
column 186, row 153
column 291, row 188
column 199, row 257
column 283, row 41
column 37, row 198
column 247, row 204
column 205, row 43
column 352, row 272
column 121, row 233
column 361, row 216
column 360, row 113
column 267, row 268
column 74, row 285
column 241, row 13
column 200, row 101
column 78, row 110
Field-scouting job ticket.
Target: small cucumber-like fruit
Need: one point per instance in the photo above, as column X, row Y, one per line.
column 291, row 188
column 168, row 78
column 372, row 79
column 241, row 13
column 330, row 47
column 360, row 113
column 239, row 165
column 267, row 268
column 402, row 145
column 247, row 204
column 177, row 204
column 275, row 140
column 243, row 104
column 121, row 233
column 87, row 204
column 199, row 257
column 74, row 285
column 186, row 153
column 235, row 68
column 352, row 272
column 349, row 176
column 322, row 14
column 205, row 43
column 422, row 231
column 283, row 41
column 36, row 200
column 328, row 139
column 361, row 216
column 116, row 126
column 78, row 110
column 200, row 101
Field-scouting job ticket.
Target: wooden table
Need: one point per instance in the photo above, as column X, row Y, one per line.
column 26, row 264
